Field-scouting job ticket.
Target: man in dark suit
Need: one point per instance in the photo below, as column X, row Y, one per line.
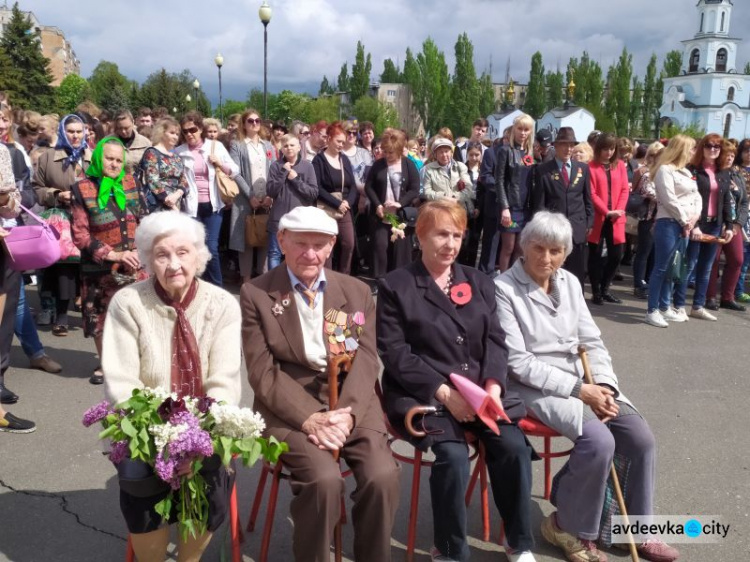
column 562, row 185
column 294, row 319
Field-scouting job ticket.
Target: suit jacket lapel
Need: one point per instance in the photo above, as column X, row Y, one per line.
column 556, row 176
column 333, row 296
column 289, row 320
column 434, row 295
column 535, row 292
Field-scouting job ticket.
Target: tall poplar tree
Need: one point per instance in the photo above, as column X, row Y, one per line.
column 536, row 103
column 391, row 73
column 649, row 109
column 486, row 95
column 343, row 82
column 464, row 89
column 359, row 84
column 555, row 86
column 430, row 83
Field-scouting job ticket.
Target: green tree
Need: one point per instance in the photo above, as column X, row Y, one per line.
column 555, row 86
column 433, row 90
column 536, row 104
column 746, row 70
column 289, row 106
column 620, row 92
column 588, row 78
column 323, row 109
column 230, row 107
column 343, row 82
column 649, row 109
column 691, row 131
column 326, row 88
column 381, row 115
column 9, row 76
column 672, row 64
column 30, row 77
column 72, row 90
column 636, row 109
column 486, row 95
column 109, row 88
column 464, row 89
column 391, row 73
column 169, row 89
column 359, row 84
column 411, row 71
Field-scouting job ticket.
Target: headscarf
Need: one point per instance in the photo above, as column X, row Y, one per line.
column 74, row 154
column 107, row 185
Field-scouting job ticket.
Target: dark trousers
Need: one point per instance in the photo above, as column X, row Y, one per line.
column 509, row 465
column 490, row 234
column 11, row 285
column 602, row 269
column 644, row 259
column 388, row 255
column 344, row 245
column 576, row 262
column 470, row 246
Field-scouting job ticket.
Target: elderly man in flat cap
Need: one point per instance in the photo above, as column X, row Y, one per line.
column 295, row 318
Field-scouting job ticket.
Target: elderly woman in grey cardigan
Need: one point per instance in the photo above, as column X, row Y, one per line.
column 545, row 318
column 254, row 157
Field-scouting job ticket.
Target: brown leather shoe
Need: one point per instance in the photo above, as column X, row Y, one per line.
column 576, row 550
column 44, row 363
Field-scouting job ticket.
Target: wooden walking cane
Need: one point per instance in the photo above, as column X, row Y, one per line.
column 336, row 365
column 612, row 472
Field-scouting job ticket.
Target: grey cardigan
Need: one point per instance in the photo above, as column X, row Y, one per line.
column 241, row 204
column 288, row 194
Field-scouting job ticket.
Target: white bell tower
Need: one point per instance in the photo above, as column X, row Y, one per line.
column 711, row 49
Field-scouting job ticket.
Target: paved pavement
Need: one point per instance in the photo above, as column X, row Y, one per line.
column 59, row 499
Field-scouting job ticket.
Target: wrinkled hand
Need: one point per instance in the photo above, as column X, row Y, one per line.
column 457, row 406
column 267, row 202
column 213, row 159
column 344, row 207
column 254, row 203
column 173, row 199
column 130, row 259
column 696, row 234
column 601, row 400
column 728, row 235
column 64, row 197
column 329, row 430
column 505, row 218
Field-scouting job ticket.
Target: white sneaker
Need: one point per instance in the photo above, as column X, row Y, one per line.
column 703, row 314
column 435, row 556
column 525, row 556
column 656, row 319
column 672, row 315
column 681, row 312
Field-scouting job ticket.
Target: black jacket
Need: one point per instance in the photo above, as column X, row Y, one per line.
column 738, row 188
column 548, row 192
column 377, row 183
column 423, row 338
column 724, row 201
column 508, row 166
column 329, row 181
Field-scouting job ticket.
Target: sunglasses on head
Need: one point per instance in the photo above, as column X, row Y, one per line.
column 191, row 130
column 252, row 121
column 712, row 146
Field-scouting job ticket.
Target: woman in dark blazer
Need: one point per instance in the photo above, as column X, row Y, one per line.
column 436, row 317
column 389, row 198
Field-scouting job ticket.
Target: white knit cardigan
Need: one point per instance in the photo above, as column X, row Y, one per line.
column 137, row 341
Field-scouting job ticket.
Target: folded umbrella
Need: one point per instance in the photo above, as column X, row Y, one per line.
column 488, row 410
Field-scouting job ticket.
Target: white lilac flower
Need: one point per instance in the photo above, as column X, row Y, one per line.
column 235, row 422
column 159, row 392
column 165, row 433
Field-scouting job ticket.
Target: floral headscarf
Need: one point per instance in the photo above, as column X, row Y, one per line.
column 107, row 185
column 74, row 154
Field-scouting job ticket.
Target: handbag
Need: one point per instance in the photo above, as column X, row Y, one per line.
column 256, row 233
column 32, row 246
column 228, row 188
column 59, row 219
column 335, row 214
column 637, row 206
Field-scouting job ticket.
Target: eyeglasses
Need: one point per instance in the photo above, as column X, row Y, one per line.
column 351, row 133
column 305, row 133
column 712, row 147
column 191, row 130
column 252, row 121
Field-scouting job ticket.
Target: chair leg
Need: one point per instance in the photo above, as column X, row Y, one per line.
column 547, row 468
column 484, row 497
column 268, row 527
column 414, row 505
column 234, row 522
column 472, row 483
column 130, row 553
column 258, row 498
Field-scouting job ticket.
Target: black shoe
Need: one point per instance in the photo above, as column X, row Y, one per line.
column 640, row 293
column 733, row 305
column 97, row 377
column 11, row 424
column 6, row 396
column 711, row 304
column 597, row 299
column 609, row 297
column 618, row 276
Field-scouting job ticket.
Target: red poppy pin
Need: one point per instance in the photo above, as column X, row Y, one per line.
column 461, row 293
column 269, row 154
column 528, row 160
column 461, row 185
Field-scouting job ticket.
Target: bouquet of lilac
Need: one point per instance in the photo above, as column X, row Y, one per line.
column 173, row 436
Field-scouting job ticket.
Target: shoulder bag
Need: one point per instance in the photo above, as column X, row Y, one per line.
column 32, row 246
column 228, row 188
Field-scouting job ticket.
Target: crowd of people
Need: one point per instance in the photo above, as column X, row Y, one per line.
column 478, row 251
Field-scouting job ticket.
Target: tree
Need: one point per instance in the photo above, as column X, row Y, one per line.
column 486, row 95
column 342, row 85
column 326, row 88
column 109, row 88
column 391, row 73
column 359, row 84
column 649, row 109
column 169, row 89
column 464, row 89
column 555, row 86
column 30, row 77
column 323, row 109
column 289, row 106
column 411, row 71
column 746, row 70
column 72, row 90
column 535, row 95
column 381, row 115
column 636, row 109
column 230, row 107
column 620, row 92
column 672, row 64
column 588, row 78
column 432, row 90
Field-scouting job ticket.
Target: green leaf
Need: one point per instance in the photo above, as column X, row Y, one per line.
column 226, row 452
column 255, row 453
column 164, row 507
column 127, row 428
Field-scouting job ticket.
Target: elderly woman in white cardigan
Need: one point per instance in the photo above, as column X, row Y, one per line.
column 178, row 332
column 545, row 318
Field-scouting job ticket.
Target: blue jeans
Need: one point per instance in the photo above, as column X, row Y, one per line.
column 212, row 223
column 274, row 251
column 701, row 256
column 740, row 288
column 667, row 240
column 25, row 328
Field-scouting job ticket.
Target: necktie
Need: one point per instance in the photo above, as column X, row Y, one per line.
column 565, row 176
column 310, row 296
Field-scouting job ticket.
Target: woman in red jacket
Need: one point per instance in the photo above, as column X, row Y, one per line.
column 609, row 194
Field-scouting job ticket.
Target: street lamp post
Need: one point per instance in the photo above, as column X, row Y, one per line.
column 188, row 99
column 196, row 87
column 219, row 60
column 265, row 17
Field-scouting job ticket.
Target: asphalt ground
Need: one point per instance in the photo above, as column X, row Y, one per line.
column 59, row 495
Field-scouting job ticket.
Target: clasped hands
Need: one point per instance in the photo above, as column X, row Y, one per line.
column 329, row 430
column 601, row 399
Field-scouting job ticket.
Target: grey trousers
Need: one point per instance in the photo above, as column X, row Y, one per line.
column 583, row 480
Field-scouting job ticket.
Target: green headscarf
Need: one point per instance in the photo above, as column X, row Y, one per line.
column 107, row 185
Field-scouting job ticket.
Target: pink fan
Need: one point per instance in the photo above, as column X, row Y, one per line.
column 482, row 403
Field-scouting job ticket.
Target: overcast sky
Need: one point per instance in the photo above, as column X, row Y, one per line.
column 310, row 38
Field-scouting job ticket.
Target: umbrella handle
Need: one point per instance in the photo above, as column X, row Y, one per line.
column 415, row 411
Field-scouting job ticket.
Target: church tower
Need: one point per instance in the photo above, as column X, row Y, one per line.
column 711, row 49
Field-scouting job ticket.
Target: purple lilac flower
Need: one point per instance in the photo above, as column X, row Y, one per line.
column 96, row 413
column 192, row 442
column 118, row 451
column 204, row 404
column 165, row 469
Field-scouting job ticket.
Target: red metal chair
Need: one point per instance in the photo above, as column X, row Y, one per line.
column 234, row 526
column 534, row 428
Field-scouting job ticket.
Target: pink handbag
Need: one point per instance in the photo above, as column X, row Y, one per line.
column 32, row 246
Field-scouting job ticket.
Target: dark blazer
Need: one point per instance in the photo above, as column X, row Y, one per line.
column 377, row 183
column 329, row 181
column 507, row 171
column 423, row 338
column 487, row 169
column 548, row 192
column 288, row 194
column 287, row 390
column 724, row 200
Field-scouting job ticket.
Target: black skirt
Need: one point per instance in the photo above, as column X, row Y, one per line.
column 61, row 280
column 141, row 490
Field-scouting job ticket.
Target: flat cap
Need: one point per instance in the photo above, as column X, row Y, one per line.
column 308, row 219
